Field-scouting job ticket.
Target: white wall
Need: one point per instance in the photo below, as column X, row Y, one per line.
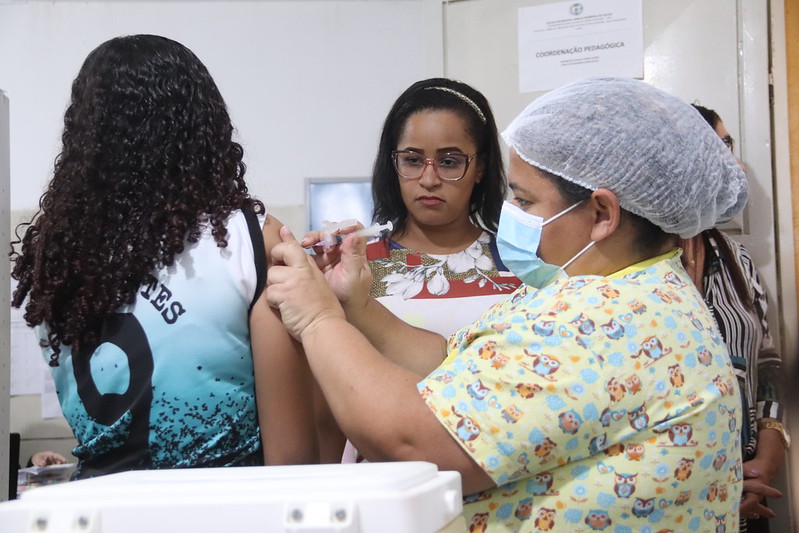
column 308, row 83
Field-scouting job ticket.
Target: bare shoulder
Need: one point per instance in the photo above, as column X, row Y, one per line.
column 271, row 232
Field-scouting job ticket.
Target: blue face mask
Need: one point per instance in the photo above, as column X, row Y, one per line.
column 518, row 239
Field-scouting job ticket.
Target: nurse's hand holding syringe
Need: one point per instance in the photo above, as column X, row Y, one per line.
column 334, row 233
column 326, row 245
column 332, row 237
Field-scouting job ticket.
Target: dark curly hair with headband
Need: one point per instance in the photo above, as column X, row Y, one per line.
column 485, row 203
column 147, row 161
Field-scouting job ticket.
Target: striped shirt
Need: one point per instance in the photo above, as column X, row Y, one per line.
column 746, row 332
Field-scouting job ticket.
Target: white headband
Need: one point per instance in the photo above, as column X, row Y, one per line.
column 462, row 97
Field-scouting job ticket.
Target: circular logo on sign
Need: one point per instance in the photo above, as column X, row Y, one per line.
column 576, row 9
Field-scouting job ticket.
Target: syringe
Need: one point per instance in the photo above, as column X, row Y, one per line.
column 372, row 231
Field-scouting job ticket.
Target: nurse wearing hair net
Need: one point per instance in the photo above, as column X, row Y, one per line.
column 599, row 395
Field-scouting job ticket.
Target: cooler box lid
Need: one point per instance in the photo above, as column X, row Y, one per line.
column 405, row 497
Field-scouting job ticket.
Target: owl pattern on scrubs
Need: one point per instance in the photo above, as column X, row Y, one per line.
column 615, row 408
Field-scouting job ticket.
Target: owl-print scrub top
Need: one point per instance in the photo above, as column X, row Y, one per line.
column 596, row 404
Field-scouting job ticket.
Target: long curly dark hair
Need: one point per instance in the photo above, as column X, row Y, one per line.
column 147, row 161
column 485, row 203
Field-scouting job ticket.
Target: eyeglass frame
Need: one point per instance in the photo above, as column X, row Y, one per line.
column 729, row 142
column 430, row 161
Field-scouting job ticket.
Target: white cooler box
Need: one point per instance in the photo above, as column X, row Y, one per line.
column 410, row 497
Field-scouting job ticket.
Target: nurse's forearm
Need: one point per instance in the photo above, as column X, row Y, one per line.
column 378, row 406
column 369, row 395
column 415, row 349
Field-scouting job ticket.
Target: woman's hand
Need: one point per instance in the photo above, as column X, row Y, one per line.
column 754, row 491
column 326, row 257
column 47, row 458
column 758, row 476
column 345, row 266
column 297, row 287
column 316, row 239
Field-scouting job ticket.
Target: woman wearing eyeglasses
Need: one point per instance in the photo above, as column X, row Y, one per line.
column 725, row 274
column 439, row 178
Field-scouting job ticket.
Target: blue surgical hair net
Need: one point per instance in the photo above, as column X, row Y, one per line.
column 654, row 151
